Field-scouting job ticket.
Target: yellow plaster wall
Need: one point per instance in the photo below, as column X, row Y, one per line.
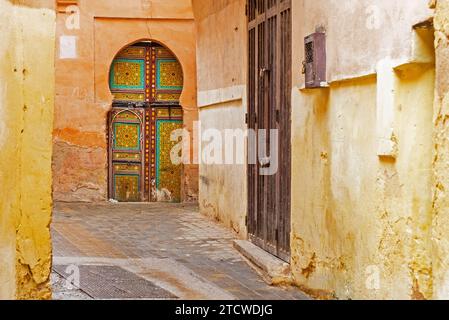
column 354, row 213
column 26, row 106
column 357, row 214
column 440, row 230
column 359, row 33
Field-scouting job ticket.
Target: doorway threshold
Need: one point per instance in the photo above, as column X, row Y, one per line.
column 273, row 270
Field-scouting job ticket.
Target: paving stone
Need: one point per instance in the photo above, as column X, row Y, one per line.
column 174, row 231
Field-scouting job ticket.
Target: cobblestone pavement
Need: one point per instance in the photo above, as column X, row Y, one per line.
column 171, row 245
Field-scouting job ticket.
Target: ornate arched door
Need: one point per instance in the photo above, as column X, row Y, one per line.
column 146, row 81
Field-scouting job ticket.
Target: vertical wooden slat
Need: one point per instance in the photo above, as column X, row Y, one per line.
column 271, row 180
column 265, row 101
column 261, row 223
column 278, row 75
column 252, row 112
column 285, row 218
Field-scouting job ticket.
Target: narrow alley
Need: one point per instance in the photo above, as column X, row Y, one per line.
column 152, row 251
column 224, row 150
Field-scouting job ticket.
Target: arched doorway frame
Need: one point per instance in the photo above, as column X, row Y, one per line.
column 149, row 157
column 159, row 43
column 110, row 36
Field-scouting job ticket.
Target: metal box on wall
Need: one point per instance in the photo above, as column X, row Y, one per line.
column 315, row 60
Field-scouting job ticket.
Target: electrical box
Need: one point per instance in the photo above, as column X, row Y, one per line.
column 315, row 60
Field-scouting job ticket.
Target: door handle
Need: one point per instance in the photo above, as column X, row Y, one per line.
column 262, row 71
column 264, row 162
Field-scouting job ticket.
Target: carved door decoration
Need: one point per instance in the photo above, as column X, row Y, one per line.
column 126, row 166
column 146, row 81
column 167, row 174
column 269, row 107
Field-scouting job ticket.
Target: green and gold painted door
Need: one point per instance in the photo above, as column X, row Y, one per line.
column 167, row 173
column 146, row 81
column 127, row 158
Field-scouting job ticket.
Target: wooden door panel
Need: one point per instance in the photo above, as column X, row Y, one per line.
column 168, row 174
column 269, row 107
column 126, row 186
column 126, row 161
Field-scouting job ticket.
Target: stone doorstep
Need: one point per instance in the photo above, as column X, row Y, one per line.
column 273, row 270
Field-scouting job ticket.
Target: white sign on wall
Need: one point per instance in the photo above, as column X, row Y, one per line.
column 68, row 47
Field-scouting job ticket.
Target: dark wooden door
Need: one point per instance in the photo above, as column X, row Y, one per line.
column 269, row 107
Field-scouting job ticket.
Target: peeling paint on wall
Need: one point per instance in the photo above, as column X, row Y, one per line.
column 26, row 123
column 440, row 225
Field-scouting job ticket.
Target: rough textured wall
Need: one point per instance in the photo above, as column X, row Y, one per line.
column 221, row 50
column 362, row 153
column 83, row 98
column 26, row 105
column 440, row 230
column 359, row 32
column 355, row 214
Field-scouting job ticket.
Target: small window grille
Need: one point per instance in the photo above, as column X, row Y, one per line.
column 309, row 52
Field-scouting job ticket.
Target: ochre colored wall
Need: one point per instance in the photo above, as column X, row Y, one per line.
column 354, row 213
column 26, row 106
column 362, row 153
column 440, row 227
column 359, row 33
column 83, row 98
column 221, row 50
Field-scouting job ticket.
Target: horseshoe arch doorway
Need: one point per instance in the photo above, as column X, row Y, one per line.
column 146, row 81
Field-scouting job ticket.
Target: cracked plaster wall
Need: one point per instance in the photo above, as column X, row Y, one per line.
column 26, row 106
column 440, row 227
column 362, row 153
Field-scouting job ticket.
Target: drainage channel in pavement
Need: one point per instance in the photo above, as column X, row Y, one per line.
column 105, row 282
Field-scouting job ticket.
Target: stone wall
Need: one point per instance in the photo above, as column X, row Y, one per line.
column 26, row 106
